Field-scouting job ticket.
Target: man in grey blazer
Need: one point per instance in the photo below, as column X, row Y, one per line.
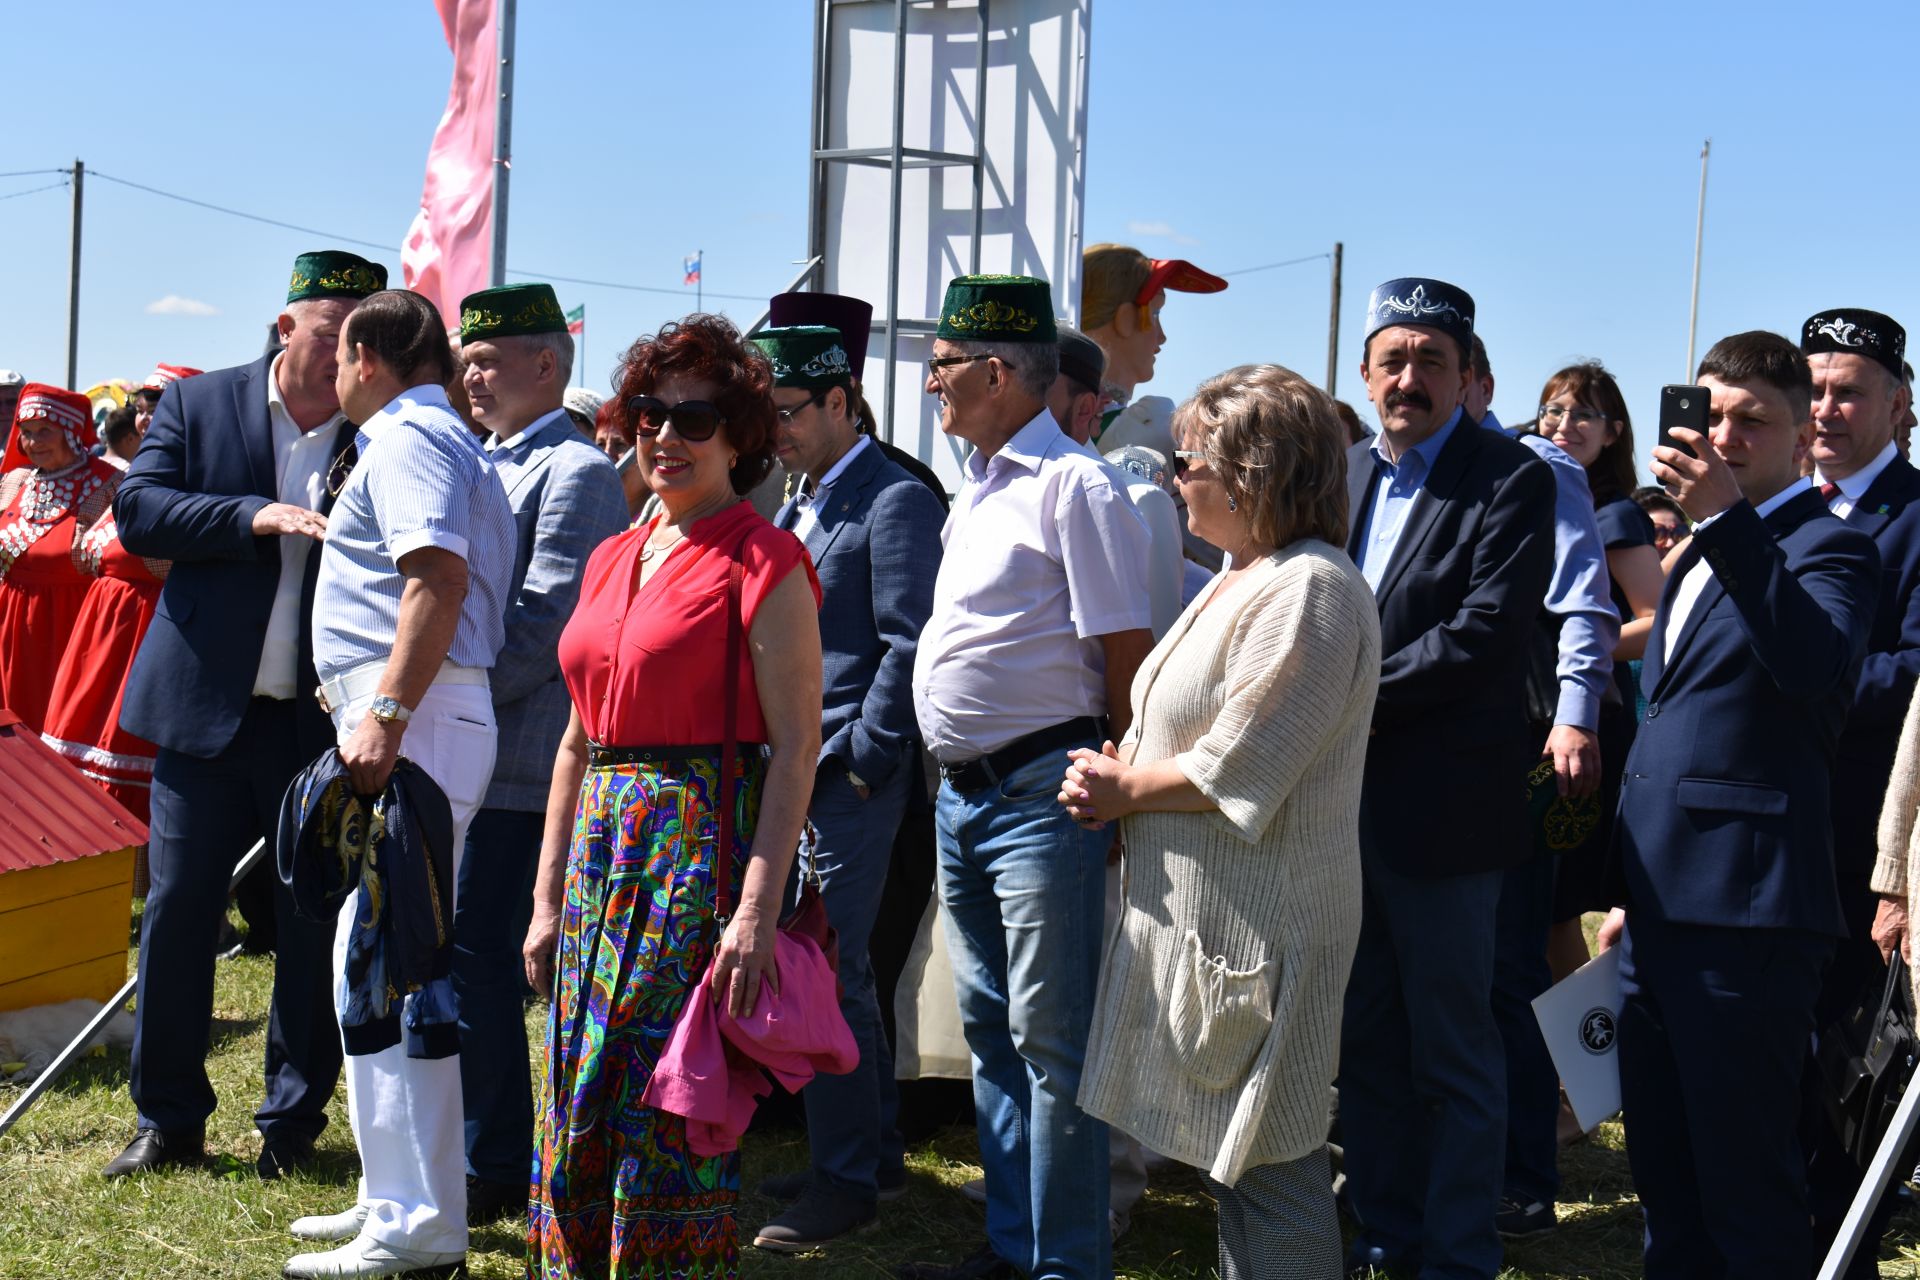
column 566, row 500
column 874, row 534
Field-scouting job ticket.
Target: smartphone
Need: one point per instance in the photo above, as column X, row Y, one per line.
column 1682, row 406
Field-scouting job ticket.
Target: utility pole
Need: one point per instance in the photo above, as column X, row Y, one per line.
column 73, row 283
column 1699, row 232
column 502, row 139
column 1333, row 319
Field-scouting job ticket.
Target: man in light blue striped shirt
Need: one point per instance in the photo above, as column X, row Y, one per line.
column 415, row 575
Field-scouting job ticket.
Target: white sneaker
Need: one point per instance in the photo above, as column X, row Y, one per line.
column 330, row 1226
column 364, row 1257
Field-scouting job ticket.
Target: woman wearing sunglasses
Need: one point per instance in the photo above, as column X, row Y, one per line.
column 626, row 921
column 1238, row 794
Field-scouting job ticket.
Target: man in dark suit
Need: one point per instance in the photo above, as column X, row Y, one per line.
column 1453, row 528
column 231, row 485
column 1859, row 397
column 1723, row 847
column 873, row 531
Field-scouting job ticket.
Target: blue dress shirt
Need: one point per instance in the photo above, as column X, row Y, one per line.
column 1399, row 484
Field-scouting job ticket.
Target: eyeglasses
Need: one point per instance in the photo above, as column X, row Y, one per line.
column 341, row 468
column 788, row 414
column 1551, row 414
column 947, row 362
column 1181, row 457
column 693, row 419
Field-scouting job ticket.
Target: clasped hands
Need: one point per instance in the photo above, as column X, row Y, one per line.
column 1095, row 788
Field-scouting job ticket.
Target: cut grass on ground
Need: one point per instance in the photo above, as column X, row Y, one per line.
column 59, row 1219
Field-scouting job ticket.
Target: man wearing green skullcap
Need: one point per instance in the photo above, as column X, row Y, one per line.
column 234, row 488
column 1040, row 618
column 869, row 526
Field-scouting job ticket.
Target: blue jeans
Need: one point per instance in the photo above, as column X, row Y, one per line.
column 492, row 905
column 1021, row 887
column 1423, row 1097
column 1520, row 973
column 852, row 1119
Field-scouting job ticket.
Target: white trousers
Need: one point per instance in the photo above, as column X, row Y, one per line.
column 406, row 1112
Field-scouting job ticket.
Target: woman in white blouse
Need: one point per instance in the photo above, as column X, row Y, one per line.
column 1238, row 795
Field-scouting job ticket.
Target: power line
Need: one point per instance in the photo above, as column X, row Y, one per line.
column 635, row 288
column 1269, row 266
column 32, row 173
column 51, row 186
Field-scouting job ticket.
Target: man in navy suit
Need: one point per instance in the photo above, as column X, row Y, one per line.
column 1452, row 526
column 873, row 531
column 1859, row 398
column 1723, row 846
column 231, row 484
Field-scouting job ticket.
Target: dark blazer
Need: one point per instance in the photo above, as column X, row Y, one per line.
column 876, row 548
column 204, row 470
column 1443, row 792
column 1889, row 513
column 1725, row 807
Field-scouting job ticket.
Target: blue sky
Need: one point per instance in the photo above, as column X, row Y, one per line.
column 1544, row 157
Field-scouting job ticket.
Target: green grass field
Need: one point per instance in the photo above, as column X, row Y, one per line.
column 59, row 1219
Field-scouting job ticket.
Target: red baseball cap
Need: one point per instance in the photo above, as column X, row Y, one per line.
column 1180, row 276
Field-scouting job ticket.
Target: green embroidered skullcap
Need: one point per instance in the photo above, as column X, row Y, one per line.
column 997, row 309
column 334, row 273
column 511, row 311
column 811, row 357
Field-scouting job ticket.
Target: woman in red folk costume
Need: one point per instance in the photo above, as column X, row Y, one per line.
column 51, row 493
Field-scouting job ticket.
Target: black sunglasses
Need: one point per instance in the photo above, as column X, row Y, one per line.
column 1181, row 459
column 692, row 419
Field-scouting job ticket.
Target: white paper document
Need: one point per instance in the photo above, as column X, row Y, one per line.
column 1579, row 1019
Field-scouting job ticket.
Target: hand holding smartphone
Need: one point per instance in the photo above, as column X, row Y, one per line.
column 1683, row 406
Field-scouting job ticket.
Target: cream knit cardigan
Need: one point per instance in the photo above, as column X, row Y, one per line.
column 1217, row 1026
column 1895, row 873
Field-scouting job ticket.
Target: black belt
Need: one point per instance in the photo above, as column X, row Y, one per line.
column 987, row 770
column 603, row 757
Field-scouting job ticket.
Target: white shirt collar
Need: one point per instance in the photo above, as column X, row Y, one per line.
column 519, row 437
column 1856, row 485
column 426, row 395
column 1782, row 498
column 1030, row 446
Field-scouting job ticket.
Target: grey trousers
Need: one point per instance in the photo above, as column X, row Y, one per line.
column 1278, row 1222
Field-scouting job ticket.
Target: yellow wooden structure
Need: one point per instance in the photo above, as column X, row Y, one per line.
column 66, row 877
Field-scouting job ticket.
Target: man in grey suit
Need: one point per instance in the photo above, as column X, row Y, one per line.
column 566, row 500
column 873, row 531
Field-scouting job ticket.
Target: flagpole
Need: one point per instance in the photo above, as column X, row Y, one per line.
column 699, row 279
column 1699, row 231
column 580, row 370
column 502, row 138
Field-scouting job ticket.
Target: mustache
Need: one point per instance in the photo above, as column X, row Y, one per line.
column 1411, row 399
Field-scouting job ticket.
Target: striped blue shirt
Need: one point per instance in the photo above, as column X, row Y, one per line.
column 422, row 480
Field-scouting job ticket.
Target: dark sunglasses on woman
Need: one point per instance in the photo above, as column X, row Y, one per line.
column 692, row 419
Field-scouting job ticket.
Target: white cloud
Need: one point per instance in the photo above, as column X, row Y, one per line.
column 1164, row 230
column 175, row 305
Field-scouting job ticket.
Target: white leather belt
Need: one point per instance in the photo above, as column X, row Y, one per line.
column 349, row 687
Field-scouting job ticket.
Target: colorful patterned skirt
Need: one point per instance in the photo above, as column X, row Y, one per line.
column 616, row 1193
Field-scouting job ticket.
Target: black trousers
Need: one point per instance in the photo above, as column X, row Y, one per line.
column 206, row 815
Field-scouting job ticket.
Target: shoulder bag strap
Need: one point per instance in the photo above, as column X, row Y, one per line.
column 729, row 749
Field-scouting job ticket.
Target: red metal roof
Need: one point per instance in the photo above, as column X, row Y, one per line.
column 49, row 812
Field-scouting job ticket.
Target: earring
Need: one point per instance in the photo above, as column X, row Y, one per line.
column 1231, row 504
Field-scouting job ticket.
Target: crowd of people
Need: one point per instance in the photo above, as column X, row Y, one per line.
column 1273, row 765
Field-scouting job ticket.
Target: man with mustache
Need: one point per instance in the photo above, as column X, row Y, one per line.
column 1452, row 526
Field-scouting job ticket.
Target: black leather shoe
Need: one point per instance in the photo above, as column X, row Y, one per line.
column 817, row 1217
column 982, row 1264
column 489, row 1202
column 791, row 1186
column 282, row 1154
column 1371, row 1262
column 152, row 1150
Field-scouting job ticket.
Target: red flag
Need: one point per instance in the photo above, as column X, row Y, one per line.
column 449, row 249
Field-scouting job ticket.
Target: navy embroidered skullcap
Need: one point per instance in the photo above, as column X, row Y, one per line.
column 1415, row 300
column 1855, row 331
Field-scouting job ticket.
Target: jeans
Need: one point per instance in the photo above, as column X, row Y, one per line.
column 1021, row 889
column 1423, row 1099
column 206, row 813
column 852, row 1119
column 1520, row 973
column 493, row 905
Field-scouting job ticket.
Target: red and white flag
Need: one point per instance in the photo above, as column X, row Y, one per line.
column 449, row 249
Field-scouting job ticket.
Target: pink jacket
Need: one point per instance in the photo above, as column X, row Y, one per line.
column 714, row 1070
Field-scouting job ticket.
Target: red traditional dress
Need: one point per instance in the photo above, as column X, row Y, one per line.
column 41, row 589
column 83, row 714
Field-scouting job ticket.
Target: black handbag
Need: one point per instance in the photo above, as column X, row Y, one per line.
column 1866, row 1061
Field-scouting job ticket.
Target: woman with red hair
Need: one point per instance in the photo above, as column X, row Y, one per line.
column 696, row 628
column 51, row 492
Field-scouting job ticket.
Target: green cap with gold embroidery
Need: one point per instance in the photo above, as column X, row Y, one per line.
column 511, row 311
column 997, row 309
column 811, row 357
column 334, row 273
